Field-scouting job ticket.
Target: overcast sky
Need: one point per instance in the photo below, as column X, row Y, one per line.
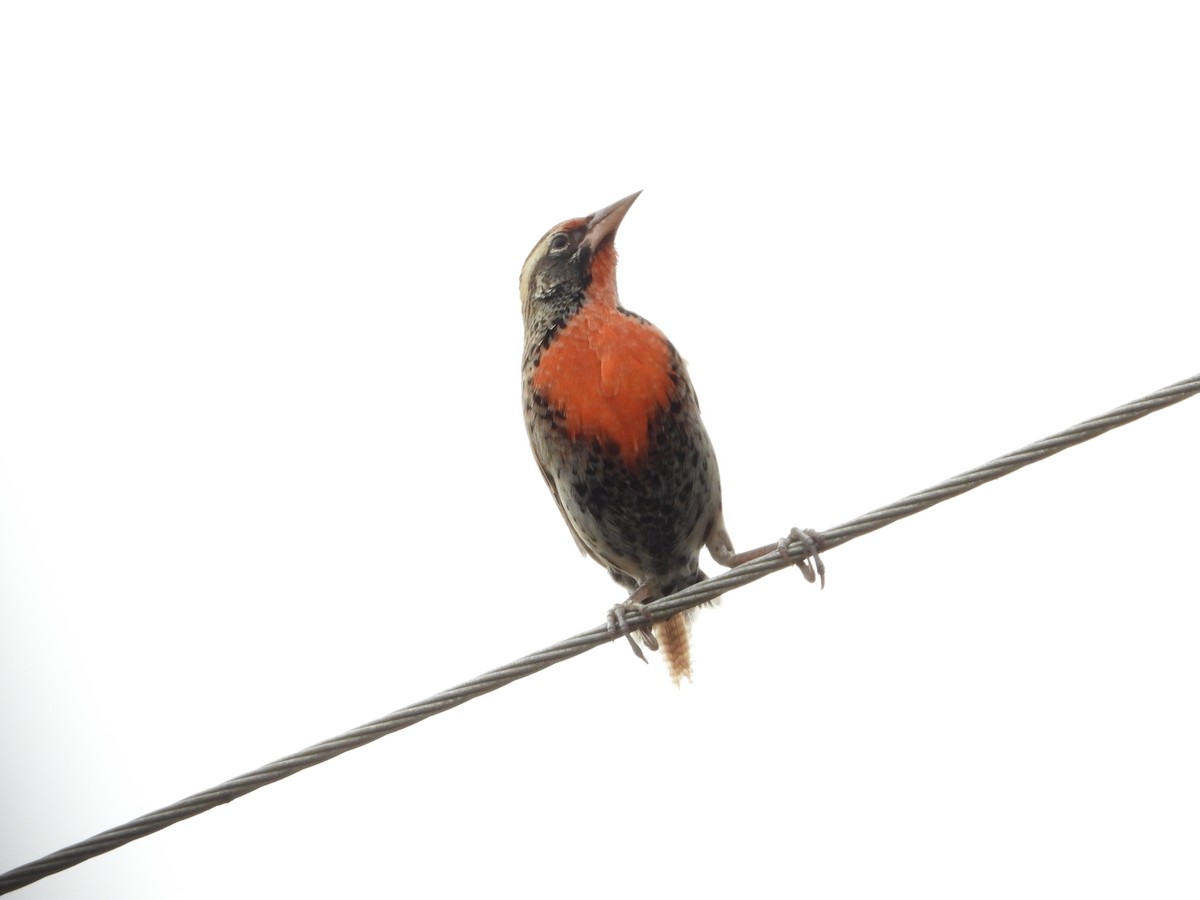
column 263, row 474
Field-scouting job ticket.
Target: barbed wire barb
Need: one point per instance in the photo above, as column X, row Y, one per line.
column 581, row 643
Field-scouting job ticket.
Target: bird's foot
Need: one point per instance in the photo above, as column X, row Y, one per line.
column 617, row 625
column 812, row 566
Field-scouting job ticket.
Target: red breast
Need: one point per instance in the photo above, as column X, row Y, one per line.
column 607, row 370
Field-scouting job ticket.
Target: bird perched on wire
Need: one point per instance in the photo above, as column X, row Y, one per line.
column 616, row 430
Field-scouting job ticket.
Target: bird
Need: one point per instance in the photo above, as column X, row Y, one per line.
column 614, row 424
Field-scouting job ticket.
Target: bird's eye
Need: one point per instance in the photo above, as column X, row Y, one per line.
column 559, row 243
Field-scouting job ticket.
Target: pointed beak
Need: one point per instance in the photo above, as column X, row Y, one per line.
column 602, row 225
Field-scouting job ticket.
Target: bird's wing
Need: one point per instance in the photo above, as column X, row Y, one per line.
column 558, row 502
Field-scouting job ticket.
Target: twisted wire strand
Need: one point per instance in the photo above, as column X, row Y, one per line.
column 587, row 640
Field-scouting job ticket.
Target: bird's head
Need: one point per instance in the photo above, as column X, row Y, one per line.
column 575, row 260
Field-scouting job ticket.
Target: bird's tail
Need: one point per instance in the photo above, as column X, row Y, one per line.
column 672, row 636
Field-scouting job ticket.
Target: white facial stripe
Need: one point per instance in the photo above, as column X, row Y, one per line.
column 531, row 261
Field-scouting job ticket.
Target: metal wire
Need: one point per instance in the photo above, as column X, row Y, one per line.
column 580, row 643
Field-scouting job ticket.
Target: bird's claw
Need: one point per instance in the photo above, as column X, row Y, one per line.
column 812, row 566
column 617, row 625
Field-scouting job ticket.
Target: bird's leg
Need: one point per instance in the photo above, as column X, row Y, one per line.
column 637, row 604
column 811, row 566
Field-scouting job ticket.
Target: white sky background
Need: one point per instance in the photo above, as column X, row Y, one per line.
column 263, row 475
